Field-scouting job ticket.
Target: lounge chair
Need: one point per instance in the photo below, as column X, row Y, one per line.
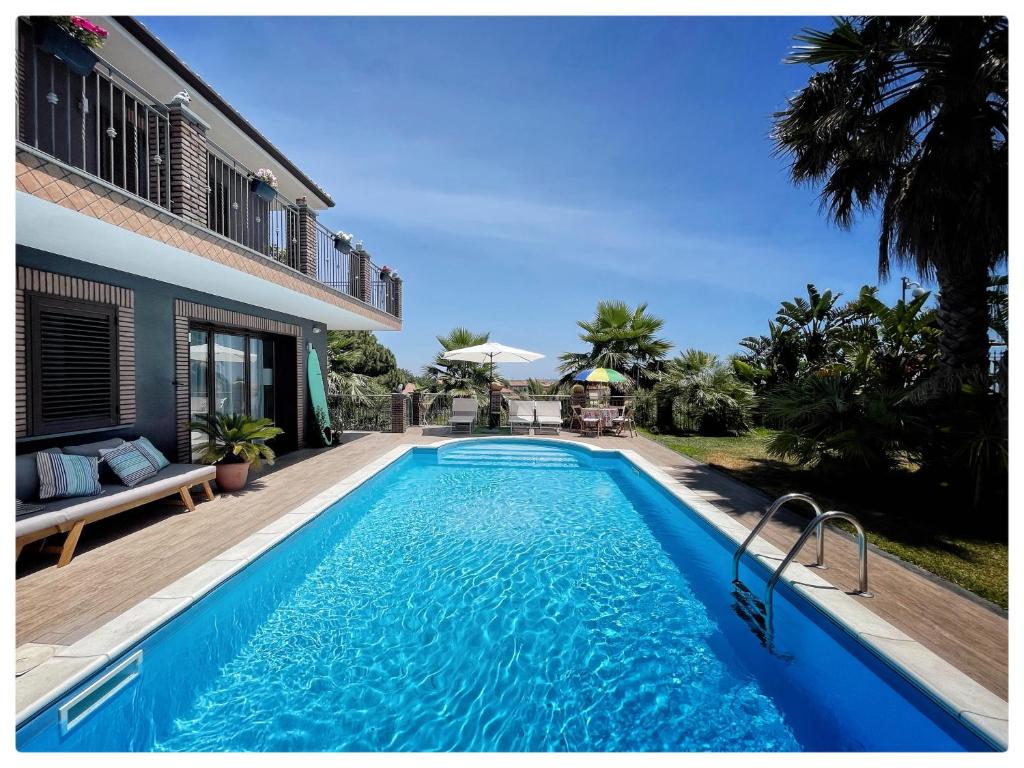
column 463, row 414
column 549, row 415
column 520, row 414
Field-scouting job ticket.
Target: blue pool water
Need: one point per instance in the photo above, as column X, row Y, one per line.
column 502, row 595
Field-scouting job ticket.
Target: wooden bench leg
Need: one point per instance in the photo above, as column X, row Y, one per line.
column 186, row 497
column 68, row 550
column 208, row 490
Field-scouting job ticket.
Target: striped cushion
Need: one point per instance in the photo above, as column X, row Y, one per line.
column 129, row 463
column 150, row 451
column 62, row 475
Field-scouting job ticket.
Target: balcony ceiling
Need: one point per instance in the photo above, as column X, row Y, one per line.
column 48, row 227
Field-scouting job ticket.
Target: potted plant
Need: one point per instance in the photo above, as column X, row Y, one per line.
column 385, row 272
column 71, row 39
column 237, row 442
column 264, row 184
column 343, row 241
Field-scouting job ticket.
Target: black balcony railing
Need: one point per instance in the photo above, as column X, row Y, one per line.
column 269, row 227
column 109, row 127
column 102, row 123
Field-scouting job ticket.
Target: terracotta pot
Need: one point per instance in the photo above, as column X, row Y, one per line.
column 232, row 477
column 496, row 386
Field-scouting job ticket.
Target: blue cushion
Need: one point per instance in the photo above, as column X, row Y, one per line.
column 150, row 451
column 62, row 475
column 129, row 464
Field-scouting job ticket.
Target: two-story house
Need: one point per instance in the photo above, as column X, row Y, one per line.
column 156, row 278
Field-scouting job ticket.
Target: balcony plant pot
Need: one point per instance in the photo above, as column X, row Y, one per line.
column 78, row 57
column 263, row 190
column 343, row 245
column 232, row 476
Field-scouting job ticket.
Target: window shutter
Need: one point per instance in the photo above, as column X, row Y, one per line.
column 73, row 384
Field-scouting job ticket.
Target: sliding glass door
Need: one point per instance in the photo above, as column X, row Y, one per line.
column 230, row 373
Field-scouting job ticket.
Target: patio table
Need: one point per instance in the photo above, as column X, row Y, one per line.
column 606, row 414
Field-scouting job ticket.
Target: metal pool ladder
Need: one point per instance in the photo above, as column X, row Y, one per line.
column 816, row 526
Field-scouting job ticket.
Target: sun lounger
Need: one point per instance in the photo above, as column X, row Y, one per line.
column 549, row 415
column 520, row 414
column 463, row 414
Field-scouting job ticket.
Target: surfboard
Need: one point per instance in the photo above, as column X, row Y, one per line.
column 318, row 398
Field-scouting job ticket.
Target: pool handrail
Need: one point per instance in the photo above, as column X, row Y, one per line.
column 768, row 515
column 816, row 525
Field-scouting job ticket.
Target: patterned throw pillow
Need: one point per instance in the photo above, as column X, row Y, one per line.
column 63, row 475
column 129, row 463
column 150, row 451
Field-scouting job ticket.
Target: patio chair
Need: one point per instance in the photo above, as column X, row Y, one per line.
column 625, row 421
column 520, row 414
column 549, row 415
column 587, row 423
column 463, row 414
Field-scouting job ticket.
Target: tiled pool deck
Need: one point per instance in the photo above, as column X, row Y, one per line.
column 128, row 558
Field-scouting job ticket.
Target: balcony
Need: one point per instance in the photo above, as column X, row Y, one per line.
column 108, row 128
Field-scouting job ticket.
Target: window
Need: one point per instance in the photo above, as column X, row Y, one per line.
column 72, row 367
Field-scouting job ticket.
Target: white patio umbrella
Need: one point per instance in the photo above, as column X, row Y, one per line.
column 492, row 353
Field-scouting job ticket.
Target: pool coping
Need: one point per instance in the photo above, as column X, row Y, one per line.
column 980, row 710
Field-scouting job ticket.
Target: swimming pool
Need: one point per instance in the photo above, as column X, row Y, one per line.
column 497, row 595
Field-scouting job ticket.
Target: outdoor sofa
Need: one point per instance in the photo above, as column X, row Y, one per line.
column 70, row 515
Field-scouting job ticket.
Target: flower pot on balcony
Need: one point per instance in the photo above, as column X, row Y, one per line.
column 263, row 190
column 343, row 245
column 77, row 55
column 232, row 477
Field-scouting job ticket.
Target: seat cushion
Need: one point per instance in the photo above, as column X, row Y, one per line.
column 129, row 463
column 62, row 475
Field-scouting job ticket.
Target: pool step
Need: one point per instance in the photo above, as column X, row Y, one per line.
column 513, row 455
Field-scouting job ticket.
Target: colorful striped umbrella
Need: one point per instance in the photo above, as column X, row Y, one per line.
column 603, row 375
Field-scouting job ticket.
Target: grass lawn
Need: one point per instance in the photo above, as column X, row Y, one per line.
column 898, row 515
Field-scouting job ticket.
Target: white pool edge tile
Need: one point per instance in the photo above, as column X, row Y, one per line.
column 970, row 702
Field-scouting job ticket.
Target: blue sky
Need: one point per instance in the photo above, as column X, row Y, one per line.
column 517, row 170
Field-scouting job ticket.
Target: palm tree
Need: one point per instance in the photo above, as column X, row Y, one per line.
column 712, row 399
column 537, row 387
column 620, row 338
column 908, row 115
column 457, row 377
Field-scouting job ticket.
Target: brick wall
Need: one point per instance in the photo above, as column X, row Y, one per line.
column 189, row 182
column 307, row 238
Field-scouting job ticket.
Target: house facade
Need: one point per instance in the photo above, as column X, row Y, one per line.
column 156, row 277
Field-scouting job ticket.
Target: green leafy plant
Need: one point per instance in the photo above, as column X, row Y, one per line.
column 622, row 338
column 457, row 377
column 236, row 439
column 705, row 394
column 907, row 118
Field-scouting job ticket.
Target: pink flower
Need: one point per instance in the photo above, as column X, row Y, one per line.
column 88, row 26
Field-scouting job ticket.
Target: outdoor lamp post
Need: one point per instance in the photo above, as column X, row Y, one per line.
column 906, row 282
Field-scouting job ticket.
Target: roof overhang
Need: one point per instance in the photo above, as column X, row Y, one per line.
column 49, row 227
